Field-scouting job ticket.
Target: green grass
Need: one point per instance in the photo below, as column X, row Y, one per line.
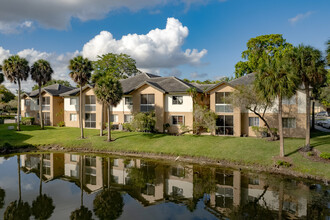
column 244, row 150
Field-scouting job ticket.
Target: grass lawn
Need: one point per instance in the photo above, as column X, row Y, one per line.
column 245, row 150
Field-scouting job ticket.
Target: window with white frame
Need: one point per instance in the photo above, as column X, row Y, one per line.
column 177, row 100
column 45, row 103
column 177, row 120
column 90, row 176
column 289, row 101
column 73, row 157
column 253, row 121
column 90, row 103
column 26, row 114
column 27, row 102
column 46, row 168
column 128, row 118
column 90, row 161
column 289, row 122
column 73, row 117
column 128, row 101
column 73, row 101
column 222, row 102
column 114, row 118
column 90, row 120
column 147, row 102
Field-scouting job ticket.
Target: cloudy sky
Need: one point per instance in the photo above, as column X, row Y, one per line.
column 196, row 39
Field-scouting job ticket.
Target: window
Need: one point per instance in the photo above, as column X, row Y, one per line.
column 46, row 116
column 177, row 100
column 38, row 116
column 73, row 173
column 149, row 189
column 90, row 175
column 26, row 114
column 115, row 162
column 176, row 191
column 128, row 118
column 128, row 101
column 225, row 125
column 222, row 102
column 90, row 120
column 254, row 181
column 253, row 121
column 46, row 168
column 289, row 122
column 73, row 158
column 90, row 103
column 289, row 101
column 114, row 118
column 27, row 102
column 73, row 117
column 45, row 103
column 73, row 101
column 90, row 161
column 147, row 102
column 177, row 120
column 178, row 171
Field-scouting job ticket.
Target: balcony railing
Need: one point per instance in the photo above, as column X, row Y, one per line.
column 147, row 107
column 45, row 107
column 226, row 108
column 90, row 108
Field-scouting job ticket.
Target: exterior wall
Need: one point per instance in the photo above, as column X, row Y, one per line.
column 57, row 110
column 188, row 120
column 121, row 110
column 236, row 111
column 186, row 106
column 68, row 107
column 67, row 121
column 31, row 110
column 159, row 103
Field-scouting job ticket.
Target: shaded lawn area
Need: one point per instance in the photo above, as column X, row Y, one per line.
column 245, row 150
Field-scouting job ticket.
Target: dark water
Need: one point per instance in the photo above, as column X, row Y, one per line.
column 93, row 187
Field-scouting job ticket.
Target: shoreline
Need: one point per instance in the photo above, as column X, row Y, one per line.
column 174, row 158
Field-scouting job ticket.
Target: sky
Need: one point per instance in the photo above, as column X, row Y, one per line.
column 192, row 39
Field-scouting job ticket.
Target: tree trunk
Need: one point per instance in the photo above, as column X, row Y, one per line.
column 41, row 173
column 280, row 125
column 109, row 172
column 272, row 135
column 313, row 115
column 41, row 117
column 81, row 114
column 102, row 112
column 19, row 177
column 308, row 116
column 19, row 106
column 281, row 199
column 109, row 124
column 81, row 180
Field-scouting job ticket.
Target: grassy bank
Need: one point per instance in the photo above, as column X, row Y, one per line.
column 245, row 150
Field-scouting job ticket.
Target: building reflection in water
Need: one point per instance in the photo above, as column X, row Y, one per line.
column 225, row 192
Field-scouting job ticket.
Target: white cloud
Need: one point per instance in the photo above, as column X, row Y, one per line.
column 172, row 72
column 196, row 75
column 15, row 27
column 300, row 17
column 160, row 48
column 159, row 51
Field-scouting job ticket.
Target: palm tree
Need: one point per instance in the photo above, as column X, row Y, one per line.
column 108, row 204
column 273, row 80
column 81, row 69
column 328, row 52
column 15, row 70
column 41, row 72
column 109, row 91
column 42, row 207
column 307, row 63
column 1, row 75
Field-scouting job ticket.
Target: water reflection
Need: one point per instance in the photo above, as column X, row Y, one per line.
column 111, row 185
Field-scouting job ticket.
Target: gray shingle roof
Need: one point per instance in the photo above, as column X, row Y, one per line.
column 76, row 91
column 54, row 90
column 244, row 80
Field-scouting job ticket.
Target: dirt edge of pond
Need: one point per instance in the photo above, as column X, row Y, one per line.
column 161, row 156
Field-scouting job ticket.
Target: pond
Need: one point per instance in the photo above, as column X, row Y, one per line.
column 85, row 186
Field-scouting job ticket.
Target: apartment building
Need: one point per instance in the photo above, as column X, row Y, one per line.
column 169, row 99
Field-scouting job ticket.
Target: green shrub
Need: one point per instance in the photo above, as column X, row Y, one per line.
column 166, row 126
column 61, row 124
column 310, row 154
column 144, row 121
column 27, row 120
column 325, row 156
column 7, row 116
column 283, row 163
column 128, row 127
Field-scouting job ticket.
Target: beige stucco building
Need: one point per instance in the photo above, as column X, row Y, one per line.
column 171, row 103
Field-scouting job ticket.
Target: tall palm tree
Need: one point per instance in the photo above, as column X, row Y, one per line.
column 81, row 69
column 308, row 64
column 109, row 91
column 273, row 80
column 41, row 72
column 15, row 70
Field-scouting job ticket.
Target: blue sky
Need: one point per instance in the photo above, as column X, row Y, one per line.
column 218, row 30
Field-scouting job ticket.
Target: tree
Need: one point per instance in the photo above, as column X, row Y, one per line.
column 1, row 75
column 119, row 66
column 274, row 80
column 5, row 94
column 245, row 96
column 81, row 69
column 109, row 91
column 308, row 65
column 256, row 47
column 15, row 70
column 52, row 82
column 2, row 197
column 108, row 204
column 41, row 73
column 328, row 52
